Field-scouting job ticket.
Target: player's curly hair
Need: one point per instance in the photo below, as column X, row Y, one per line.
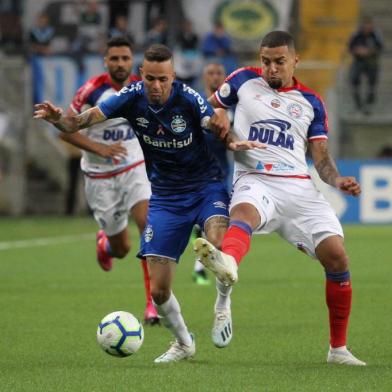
column 158, row 53
column 278, row 38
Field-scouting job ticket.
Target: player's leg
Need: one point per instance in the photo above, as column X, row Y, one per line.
column 169, row 224
column 139, row 214
column 108, row 202
column 213, row 217
column 315, row 229
column 214, row 220
column 162, row 271
column 333, row 257
column 250, row 205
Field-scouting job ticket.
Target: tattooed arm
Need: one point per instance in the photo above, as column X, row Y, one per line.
column 328, row 172
column 68, row 124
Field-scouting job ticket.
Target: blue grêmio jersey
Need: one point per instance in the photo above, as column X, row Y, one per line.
column 171, row 136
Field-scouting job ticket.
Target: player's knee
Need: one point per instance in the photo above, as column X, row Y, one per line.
column 337, row 261
column 120, row 251
column 215, row 238
column 160, row 295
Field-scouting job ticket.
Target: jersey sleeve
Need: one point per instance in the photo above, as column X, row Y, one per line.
column 227, row 94
column 114, row 106
column 318, row 128
column 202, row 109
column 80, row 100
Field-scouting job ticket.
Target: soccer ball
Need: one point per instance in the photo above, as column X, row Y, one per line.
column 120, row 334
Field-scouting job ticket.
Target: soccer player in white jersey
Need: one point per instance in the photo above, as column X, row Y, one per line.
column 116, row 183
column 272, row 188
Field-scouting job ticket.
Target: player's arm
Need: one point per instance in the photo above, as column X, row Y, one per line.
column 116, row 150
column 327, row 170
column 65, row 123
column 219, row 123
column 214, row 102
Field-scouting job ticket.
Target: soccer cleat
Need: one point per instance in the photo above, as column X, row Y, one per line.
column 222, row 330
column 201, row 278
column 343, row 357
column 103, row 258
column 151, row 315
column 222, row 265
column 177, row 352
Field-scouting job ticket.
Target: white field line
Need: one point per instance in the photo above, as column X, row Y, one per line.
column 45, row 241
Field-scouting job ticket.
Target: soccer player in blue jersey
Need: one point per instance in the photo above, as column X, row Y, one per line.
column 168, row 118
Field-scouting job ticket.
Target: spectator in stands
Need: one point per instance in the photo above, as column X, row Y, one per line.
column 91, row 31
column 41, row 35
column 385, row 152
column 365, row 46
column 217, row 43
column 153, row 8
column 187, row 39
column 188, row 64
column 157, row 34
column 120, row 29
column 11, row 32
column 91, row 15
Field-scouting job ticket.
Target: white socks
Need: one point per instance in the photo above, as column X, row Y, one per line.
column 223, row 300
column 172, row 319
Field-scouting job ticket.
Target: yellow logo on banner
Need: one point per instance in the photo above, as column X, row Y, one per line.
column 247, row 20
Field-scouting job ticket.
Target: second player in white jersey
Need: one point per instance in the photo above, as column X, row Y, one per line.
column 110, row 132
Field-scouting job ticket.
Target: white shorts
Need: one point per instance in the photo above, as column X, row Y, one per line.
column 292, row 207
column 111, row 199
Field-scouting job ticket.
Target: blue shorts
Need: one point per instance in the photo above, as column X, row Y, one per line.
column 171, row 218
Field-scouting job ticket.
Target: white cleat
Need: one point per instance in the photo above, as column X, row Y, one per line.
column 222, row 265
column 343, row 357
column 222, row 330
column 177, row 352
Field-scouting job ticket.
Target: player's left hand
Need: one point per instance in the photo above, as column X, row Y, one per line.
column 348, row 185
column 245, row 145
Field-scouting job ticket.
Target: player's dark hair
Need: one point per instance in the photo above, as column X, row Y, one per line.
column 119, row 41
column 158, row 53
column 278, row 38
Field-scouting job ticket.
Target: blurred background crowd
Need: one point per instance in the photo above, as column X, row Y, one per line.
column 48, row 48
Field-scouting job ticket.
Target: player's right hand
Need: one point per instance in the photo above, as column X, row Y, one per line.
column 115, row 151
column 47, row 111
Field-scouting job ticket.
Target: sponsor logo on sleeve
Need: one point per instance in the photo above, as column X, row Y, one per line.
column 224, row 90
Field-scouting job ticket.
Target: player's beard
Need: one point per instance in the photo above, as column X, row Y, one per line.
column 119, row 76
column 275, row 83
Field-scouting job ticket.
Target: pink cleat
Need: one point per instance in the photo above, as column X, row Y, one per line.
column 104, row 259
column 151, row 315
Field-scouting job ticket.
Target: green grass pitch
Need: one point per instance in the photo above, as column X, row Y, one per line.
column 53, row 295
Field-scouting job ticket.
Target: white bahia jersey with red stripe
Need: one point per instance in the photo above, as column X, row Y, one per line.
column 111, row 131
column 285, row 119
